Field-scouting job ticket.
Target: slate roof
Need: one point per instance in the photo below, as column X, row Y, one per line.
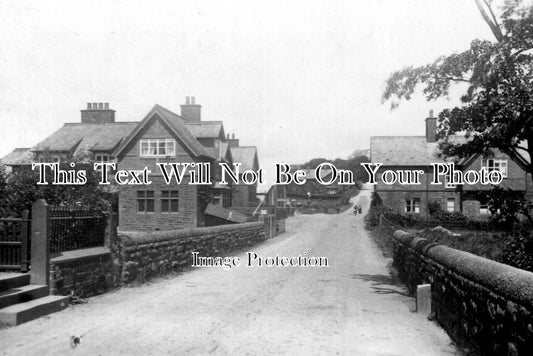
column 79, row 138
column 178, row 128
column 245, row 155
column 206, row 129
column 414, row 151
column 17, row 157
column 403, row 151
column 226, row 214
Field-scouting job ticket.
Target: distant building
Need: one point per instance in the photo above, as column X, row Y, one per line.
column 313, row 189
column 18, row 160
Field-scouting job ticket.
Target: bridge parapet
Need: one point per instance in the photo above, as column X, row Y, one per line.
column 486, row 306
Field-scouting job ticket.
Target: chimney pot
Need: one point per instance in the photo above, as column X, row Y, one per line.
column 97, row 113
column 227, row 136
column 190, row 111
column 431, row 113
column 233, row 136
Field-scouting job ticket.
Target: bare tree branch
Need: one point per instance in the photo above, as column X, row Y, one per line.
column 494, row 27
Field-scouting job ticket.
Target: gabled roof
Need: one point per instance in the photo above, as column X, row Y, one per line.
column 177, row 127
column 17, row 157
column 246, row 155
column 206, row 129
column 80, row 138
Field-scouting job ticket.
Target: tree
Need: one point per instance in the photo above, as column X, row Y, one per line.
column 19, row 190
column 496, row 108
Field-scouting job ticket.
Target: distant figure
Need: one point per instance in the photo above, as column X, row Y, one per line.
column 338, row 207
column 355, row 209
column 359, row 209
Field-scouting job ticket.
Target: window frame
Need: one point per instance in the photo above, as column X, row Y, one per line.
column 498, row 164
column 411, row 205
column 145, row 196
column 146, row 145
column 169, row 196
column 101, row 156
column 448, row 201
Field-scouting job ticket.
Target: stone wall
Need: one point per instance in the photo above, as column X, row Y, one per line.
column 138, row 256
column 83, row 273
column 143, row 255
column 485, row 306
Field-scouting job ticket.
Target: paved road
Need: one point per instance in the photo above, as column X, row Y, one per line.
column 351, row 307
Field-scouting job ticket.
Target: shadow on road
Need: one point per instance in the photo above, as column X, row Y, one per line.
column 380, row 281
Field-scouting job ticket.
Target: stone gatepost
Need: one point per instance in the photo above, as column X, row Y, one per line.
column 40, row 243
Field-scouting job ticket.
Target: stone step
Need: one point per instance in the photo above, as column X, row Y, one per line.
column 24, row 312
column 13, row 280
column 22, row 294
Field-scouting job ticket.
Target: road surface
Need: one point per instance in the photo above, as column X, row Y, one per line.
column 352, row 307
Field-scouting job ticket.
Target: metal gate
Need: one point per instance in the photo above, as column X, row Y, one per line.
column 14, row 243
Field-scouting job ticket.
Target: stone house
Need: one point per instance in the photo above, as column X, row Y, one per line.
column 419, row 152
column 162, row 136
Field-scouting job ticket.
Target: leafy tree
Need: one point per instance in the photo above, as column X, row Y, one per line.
column 19, row 190
column 505, row 205
column 497, row 106
column 496, row 110
column 353, row 164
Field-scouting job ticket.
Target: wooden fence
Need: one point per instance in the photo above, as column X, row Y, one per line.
column 69, row 228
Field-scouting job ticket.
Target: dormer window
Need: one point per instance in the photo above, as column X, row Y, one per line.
column 102, row 158
column 495, row 165
column 159, row 147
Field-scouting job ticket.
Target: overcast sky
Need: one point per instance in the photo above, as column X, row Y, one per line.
column 298, row 79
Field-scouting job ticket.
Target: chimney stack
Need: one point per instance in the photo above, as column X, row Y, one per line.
column 233, row 142
column 191, row 112
column 97, row 113
column 431, row 128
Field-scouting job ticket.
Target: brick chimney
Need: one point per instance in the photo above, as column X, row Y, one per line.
column 232, row 142
column 431, row 128
column 191, row 111
column 97, row 113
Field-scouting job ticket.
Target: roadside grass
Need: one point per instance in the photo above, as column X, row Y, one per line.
column 382, row 236
column 514, row 249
